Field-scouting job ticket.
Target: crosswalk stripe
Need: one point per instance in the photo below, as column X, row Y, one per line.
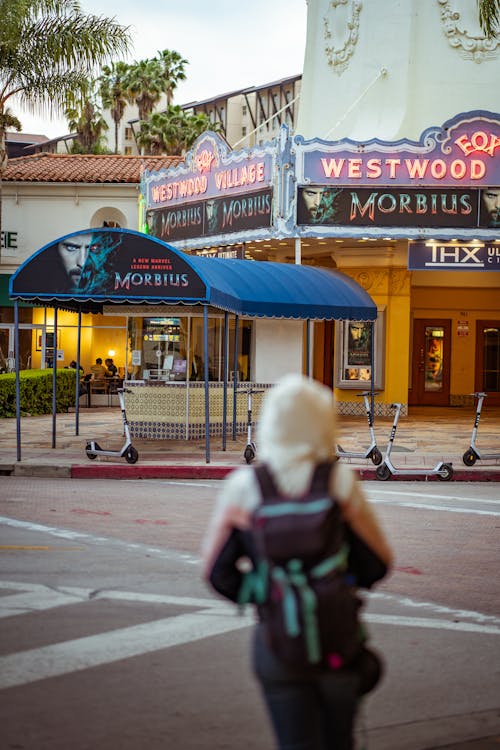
column 105, row 648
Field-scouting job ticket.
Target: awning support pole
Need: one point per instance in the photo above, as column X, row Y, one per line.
column 224, row 392
column 236, row 374
column 54, row 380
column 372, row 365
column 18, row 385
column 207, row 406
column 77, row 387
column 308, row 346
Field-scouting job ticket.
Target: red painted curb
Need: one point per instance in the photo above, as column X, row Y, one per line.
column 209, row 471
column 115, row 471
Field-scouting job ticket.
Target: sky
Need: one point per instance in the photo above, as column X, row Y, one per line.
column 229, row 44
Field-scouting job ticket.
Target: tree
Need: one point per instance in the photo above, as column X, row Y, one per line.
column 85, row 117
column 489, row 17
column 145, row 82
column 172, row 132
column 114, row 92
column 173, row 71
column 49, row 49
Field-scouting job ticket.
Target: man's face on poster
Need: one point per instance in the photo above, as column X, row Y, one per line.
column 491, row 204
column 73, row 252
column 312, row 198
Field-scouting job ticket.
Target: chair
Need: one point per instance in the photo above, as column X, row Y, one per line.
column 97, row 386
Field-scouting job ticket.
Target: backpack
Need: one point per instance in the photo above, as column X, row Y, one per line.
column 306, row 599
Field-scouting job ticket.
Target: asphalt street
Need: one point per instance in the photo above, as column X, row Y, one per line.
column 110, row 639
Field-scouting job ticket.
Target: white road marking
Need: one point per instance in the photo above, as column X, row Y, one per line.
column 164, row 553
column 429, row 622
column 106, row 648
column 433, row 608
column 440, row 508
column 213, row 617
column 429, row 496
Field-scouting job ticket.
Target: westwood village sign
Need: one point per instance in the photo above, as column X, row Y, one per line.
column 444, row 186
column 214, row 192
column 445, row 180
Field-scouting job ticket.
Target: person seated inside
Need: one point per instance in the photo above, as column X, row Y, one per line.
column 99, row 371
column 111, row 367
column 72, row 366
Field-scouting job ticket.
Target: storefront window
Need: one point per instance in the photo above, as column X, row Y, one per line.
column 353, row 353
column 172, row 349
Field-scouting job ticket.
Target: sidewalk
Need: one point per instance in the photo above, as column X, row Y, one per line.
column 423, row 439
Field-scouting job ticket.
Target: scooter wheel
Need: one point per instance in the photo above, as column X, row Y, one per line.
column 446, row 472
column 469, row 458
column 90, row 454
column 376, row 456
column 249, row 454
column 131, row 455
column 383, row 473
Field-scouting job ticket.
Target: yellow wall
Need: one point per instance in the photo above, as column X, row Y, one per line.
column 390, row 290
column 96, row 341
column 464, row 305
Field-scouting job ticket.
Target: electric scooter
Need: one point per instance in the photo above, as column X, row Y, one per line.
column 386, row 470
column 250, row 448
column 372, row 451
column 128, row 452
column 472, row 454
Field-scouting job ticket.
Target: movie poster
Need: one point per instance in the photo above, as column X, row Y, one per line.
column 106, row 262
column 386, row 207
column 214, row 216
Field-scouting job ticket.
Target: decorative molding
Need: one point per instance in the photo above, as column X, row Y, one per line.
column 473, row 47
column 399, row 282
column 339, row 58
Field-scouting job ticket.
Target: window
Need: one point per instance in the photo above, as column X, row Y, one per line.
column 353, row 353
column 244, row 109
column 243, row 131
column 128, row 150
column 129, row 135
column 172, row 349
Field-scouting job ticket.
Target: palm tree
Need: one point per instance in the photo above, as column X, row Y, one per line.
column 154, row 136
column 114, row 93
column 144, row 80
column 172, row 132
column 85, row 117
column 173, row 71
column 49, row 49
column 489, row 17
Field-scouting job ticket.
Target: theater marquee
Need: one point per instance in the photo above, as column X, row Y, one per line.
column 462, row 152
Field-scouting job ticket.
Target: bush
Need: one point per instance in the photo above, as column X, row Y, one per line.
column 36, row 392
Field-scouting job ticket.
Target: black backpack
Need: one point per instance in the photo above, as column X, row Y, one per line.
column 307, row 600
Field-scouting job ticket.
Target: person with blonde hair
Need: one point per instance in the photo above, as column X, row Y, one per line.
column 297, row 432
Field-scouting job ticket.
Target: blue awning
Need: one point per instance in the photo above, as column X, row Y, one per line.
column 281, row 290
column 122, row 267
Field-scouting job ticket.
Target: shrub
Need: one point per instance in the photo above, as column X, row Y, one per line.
column 36, row 392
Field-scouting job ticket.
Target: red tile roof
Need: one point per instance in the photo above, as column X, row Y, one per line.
column 83, row 167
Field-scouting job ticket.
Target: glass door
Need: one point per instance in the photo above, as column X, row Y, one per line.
column 488, row 359
column 431, row 363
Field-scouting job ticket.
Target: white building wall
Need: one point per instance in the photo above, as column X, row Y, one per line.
column 40, row 213
column 390, row 69
column 278, row 349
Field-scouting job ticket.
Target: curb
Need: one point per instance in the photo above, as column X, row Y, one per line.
column 118, row 471
column 209, row 471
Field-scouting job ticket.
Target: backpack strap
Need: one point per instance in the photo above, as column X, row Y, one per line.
column 266, row 482
column 320, row 481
